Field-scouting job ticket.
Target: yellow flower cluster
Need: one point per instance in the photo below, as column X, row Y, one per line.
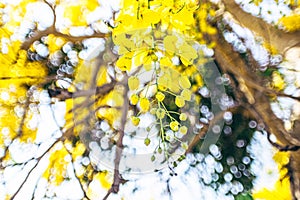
column 278, row 81
column 77, row 11
column 157, row 37
column 291, row 23
column 18, row 73
column 282, row 186
column 57, row 164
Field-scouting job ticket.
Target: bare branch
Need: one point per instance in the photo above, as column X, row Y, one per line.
column 282, row 148
column 117, row 176
column 197, row 138
column 63, row 94
column 281, row 40
column 52, row 30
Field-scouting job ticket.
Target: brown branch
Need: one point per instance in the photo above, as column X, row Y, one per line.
column 280, row 147
column 232, row 63
column 52, row 30
column 197, row 138
column 21, row 77
column 281, row 40
column 294, row 174
column 117, row 176
column 63, row 94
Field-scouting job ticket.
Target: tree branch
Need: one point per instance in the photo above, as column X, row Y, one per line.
column 281, row 40
column 232, row 63
column 52, row 30
column 117, row 176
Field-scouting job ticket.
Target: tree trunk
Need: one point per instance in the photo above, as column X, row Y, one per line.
column 294, row 170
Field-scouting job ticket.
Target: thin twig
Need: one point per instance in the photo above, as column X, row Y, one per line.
column 117, row 176
column 52, row 30
column 35, row 165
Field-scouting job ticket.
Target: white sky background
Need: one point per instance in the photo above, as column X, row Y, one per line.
column 183, row 186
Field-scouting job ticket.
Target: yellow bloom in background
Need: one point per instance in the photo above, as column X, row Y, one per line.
column 282, row 189
column 291, row 23
column 57, row 164
column 111, row 115
column 78, row 150
column 278, row 81
column 182, row 116
column 183, row 130
column 104, row 178
column 76, row 13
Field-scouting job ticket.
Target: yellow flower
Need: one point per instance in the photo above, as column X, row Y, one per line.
column 135, row 120
column 144, row 58
column 291, row 23
column 174, row 125
column 78, row 150
column 187, row 54
column 160, row 96
column 144, row 104
column 147, row 141
column 74, row 14
column 133, row 83
column 184, row 82
column 164, row 80
column 199, row 80
column 183, row 130
column 134, row 99
column 160, row 113
column 179, row 101
column 281, row 191
column 184, row 145
column 186, row 94
column 182, row 116
column 104, row 179
column 153, row 111
column 278, row 81
column 124, row 63
column 170, row 43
